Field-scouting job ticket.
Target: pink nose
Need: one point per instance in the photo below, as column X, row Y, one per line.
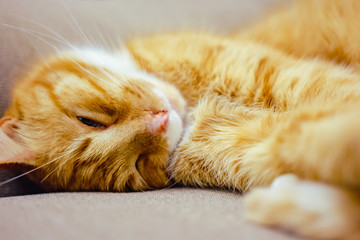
column 158, row 121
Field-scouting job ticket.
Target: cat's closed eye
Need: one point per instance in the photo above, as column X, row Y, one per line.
column 91, row 123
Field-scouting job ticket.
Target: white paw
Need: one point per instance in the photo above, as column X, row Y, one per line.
column 306, row 208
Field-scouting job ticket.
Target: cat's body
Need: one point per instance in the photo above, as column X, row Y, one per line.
column 199, row 109
column 260, row 106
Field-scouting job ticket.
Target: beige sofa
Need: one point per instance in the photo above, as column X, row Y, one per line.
column 30, row 30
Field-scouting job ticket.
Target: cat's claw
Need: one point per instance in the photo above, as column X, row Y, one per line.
column 306, row 208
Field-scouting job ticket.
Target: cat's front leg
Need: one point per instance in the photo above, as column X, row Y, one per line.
column 211, row 154
column 307, row 208
column 235, row 146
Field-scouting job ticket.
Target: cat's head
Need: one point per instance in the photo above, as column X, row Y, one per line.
column 93, row 121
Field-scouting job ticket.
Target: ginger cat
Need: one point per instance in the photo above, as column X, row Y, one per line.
column 210, row 111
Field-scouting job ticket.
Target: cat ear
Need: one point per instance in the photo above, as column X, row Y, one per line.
column 12, row 148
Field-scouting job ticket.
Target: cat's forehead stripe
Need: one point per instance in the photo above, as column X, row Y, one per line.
column 50, row 92
column 96, row 86
column 107, row 110
column 129, row 90
column 102, row 103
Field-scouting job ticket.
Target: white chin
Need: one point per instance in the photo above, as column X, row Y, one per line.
column 174, row 130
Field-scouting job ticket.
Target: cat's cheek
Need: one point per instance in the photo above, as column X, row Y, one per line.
column 174, row 130
column 178, row 104
column 179, row 164
column 152, row 173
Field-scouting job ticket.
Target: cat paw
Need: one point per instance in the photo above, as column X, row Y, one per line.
column 306, row 208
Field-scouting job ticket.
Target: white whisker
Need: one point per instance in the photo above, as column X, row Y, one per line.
column 32, row 33
column 60, row 165
column 56, row 36
column 25, row 173
column 102, row 39
column 77, row 26
column 66, row 153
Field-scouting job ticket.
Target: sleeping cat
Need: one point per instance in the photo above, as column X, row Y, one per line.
column 202, row 110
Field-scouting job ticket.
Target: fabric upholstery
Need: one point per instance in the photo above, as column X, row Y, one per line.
column 175, row 214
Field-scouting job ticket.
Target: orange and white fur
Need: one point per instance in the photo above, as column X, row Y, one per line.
column 274, row 110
